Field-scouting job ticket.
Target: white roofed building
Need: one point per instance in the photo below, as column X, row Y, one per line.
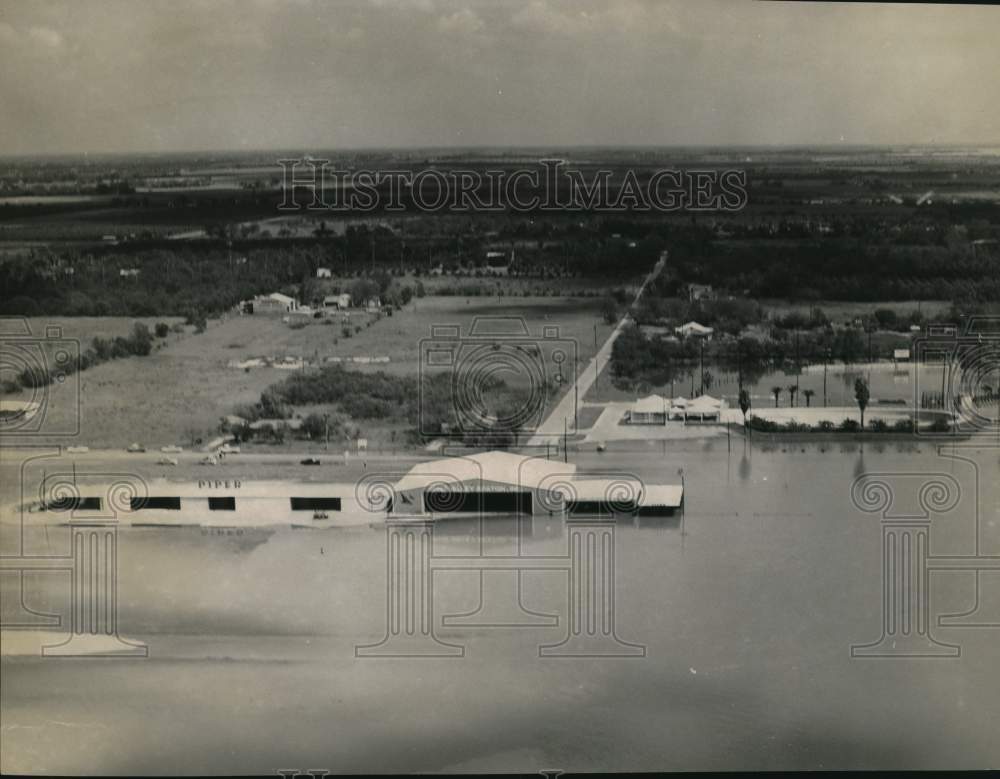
column 694, row 330
column 650, row 410
column 503, row 483
column 703, row 408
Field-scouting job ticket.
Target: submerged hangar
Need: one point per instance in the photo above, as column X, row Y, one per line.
column 504, row 483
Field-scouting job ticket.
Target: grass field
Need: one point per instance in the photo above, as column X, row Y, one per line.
column 84, row 328
column 182, row 389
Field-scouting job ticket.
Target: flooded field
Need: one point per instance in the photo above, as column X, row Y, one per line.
column 737, row 617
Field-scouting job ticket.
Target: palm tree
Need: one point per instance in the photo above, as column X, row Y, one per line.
column 776, row 391
column 744, row 404
column 808, row 393
column 861, row 394
column 792, row 389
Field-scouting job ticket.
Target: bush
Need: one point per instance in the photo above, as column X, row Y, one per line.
column 850, row 426
column 140, row 342
column 903, row 426
column 825, row 426
column 34, row 377
column 878, row 426
column 162, row 329
column 764, row 425
column 940, row 425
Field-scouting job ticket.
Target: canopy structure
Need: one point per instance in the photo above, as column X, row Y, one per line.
column 650, row 410
column 703, row 408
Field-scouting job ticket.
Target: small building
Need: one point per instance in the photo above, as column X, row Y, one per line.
column 275, row 302
column 276, row 424
column 704, row 408
column 497, row 264
column 660, row 500
column 373, row 304
column 324, row 273
column 650, row 410
column 341, row 301
column 694, row 330
column 700, row 292
column 129, row 273
column 900, row 355
column 602, row 497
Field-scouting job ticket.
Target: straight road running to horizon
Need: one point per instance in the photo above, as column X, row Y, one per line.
column 563, row 416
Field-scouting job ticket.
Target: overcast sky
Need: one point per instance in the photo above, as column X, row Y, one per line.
column 142, row 75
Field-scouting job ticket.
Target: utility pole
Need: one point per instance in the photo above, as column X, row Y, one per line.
column 798, row 363
column 701, row 380
column 326, row 426
column 824, row 379
column 576, row 392
column 739, row 365
column 680, row 472
column 565, row 442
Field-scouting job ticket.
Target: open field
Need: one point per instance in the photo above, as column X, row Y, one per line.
column 85, row 328
column 181, row 390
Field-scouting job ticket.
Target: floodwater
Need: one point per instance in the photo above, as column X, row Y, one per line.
column 747, row 610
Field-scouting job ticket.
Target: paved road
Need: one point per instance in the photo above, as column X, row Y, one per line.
column 552, row 428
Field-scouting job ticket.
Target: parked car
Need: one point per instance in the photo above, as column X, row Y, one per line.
column 167, row 461
column 77, row 449
column 171, row 449
column 136, row 448
column 229, row 449
column 208, row 460
column 309, row 461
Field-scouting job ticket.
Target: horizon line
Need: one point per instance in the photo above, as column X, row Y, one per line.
column 824, row 146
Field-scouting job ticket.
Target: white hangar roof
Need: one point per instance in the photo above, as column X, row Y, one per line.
column 502, row 467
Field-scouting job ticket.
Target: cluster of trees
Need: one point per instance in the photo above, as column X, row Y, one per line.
column 637, row 358
column 725, row 315
column 761, row 425
column 180, row 282
column 836, row 269
column 138, row 343
column 427, row 410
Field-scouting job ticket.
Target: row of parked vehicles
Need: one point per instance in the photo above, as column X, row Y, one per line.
column 211, row 459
